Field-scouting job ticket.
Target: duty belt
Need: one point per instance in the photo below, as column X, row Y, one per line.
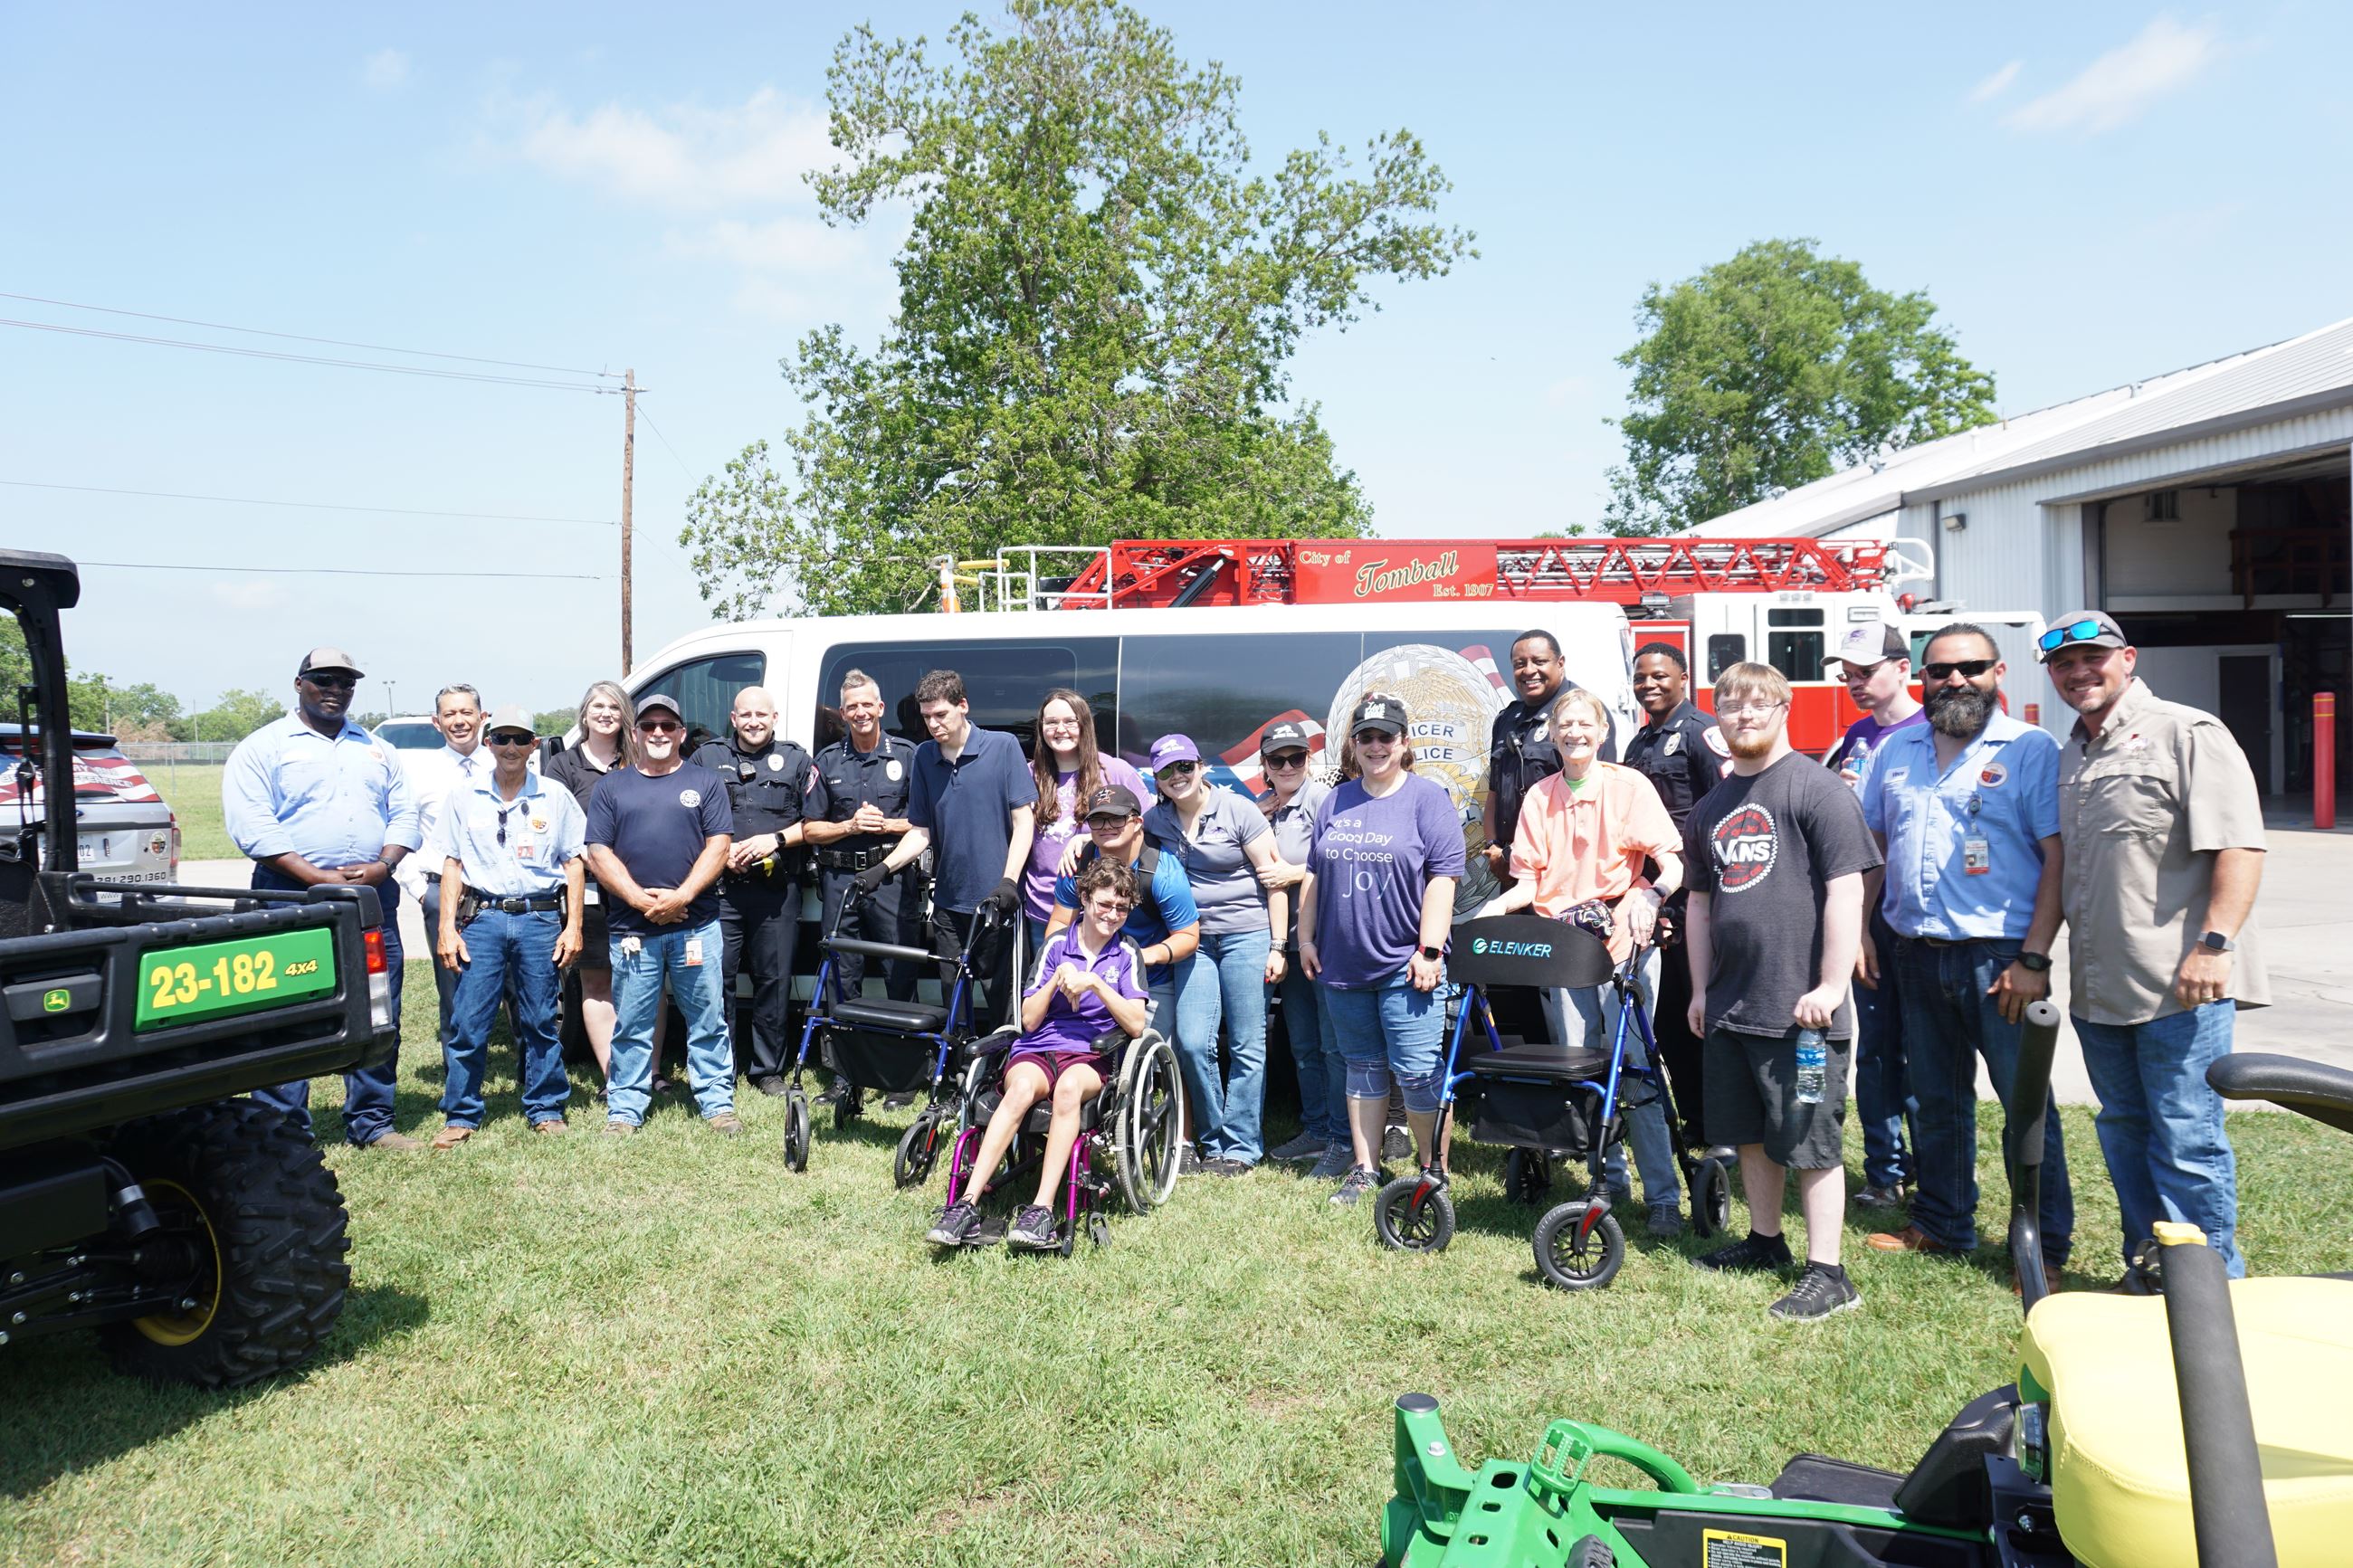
column 849, row 859
column 527, row 904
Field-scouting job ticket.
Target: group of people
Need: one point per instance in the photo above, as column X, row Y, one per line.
column 1884, row 919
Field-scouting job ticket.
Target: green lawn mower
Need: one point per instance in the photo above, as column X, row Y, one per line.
column 2211, row 1424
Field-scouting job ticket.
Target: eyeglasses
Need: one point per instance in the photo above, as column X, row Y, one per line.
column 2057, row 638
column 1374, row 738
column 1178, row 768
column 511, row 739
column 1058, row 724
column 1972, row 668
column 332, row 682
column 1111, row 906
column 659, row 726
column 1733, row 709
column 1286, row 762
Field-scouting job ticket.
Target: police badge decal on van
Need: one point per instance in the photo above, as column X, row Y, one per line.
column 1743, row 844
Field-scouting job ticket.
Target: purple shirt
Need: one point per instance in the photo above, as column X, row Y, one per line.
column 1373, row 859
column 1075, row 1025
column 1851, row 759
column 1053, row 838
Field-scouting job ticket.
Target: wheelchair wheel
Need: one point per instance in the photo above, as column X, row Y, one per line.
column 1527, row 1176
column 1146, row 1135
column 1577, row 1259
column 796, row 1131
column 919, row 1147
column 1409, row 1218
column 1711, row 1198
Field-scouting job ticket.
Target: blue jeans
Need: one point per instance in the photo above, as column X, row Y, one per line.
column 1323, row 1075
column 1883, row 1094
column 1226, row 980
column 367, row 1093
column 1390, row 1032
column 1595, row 1009
column 2162, row 1124
column 637, row 1001
column 501, row 949
column 1948, row 1023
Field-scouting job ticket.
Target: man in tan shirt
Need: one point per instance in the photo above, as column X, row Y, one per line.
column 2163, row 837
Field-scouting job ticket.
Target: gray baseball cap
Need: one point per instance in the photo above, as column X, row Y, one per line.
column 2084, row 628
column 513, row 716
column 653, row 699
column 328, row 658
column 1873, row 642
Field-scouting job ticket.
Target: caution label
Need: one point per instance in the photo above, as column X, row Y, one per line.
column 1731, row 1549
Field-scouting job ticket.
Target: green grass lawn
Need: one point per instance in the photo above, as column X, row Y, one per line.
column 670, row 1350
column 193, row 790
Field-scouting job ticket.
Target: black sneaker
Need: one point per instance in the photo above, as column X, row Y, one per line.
column 831, row 1093
column 772, row 1086
column 1752, row 1254
column 957, row 1222
column 1396, row 1143
column 1225, row 1165
column 1354, row 1185
column 1188, row 1161
column 1033, row 1230
column 1821, row 1290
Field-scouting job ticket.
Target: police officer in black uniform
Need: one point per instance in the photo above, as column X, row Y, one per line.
column 1520, row 754
column 867, row 774
column 774, row 789
column 1682, row 753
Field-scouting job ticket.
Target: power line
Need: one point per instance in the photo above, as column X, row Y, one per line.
column 299, row 338
column 344, row 571
column 308, row 505
column 665, row 441
column 312, row 359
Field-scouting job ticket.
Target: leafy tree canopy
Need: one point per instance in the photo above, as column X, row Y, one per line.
column 555, row 721
column 1774, row 369
column 237, row 715
column 1097, row 298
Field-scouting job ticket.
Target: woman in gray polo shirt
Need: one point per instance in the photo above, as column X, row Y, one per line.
column 1224, row 842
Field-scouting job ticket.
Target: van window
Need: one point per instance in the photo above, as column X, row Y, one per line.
column 706, row 688
column 1725, row 649
column 1003, row 681
column 1222, row 690
column 1798, row 655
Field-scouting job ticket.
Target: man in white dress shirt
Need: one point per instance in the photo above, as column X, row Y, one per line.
column 460, row 763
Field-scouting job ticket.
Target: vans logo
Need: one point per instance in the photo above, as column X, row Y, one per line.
column 1745, row 845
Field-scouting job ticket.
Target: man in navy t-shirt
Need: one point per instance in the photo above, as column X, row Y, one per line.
column 971, row 804
column 658, row 837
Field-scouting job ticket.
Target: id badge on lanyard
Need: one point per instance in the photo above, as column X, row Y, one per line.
column 1977, row 850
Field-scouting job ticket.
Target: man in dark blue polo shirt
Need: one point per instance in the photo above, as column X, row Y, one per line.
column 971, row 804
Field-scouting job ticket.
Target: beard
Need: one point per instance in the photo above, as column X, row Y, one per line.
column 1959, row 711
column 1750, row 744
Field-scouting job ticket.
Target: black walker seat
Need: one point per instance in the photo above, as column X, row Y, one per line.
column 902, row 1017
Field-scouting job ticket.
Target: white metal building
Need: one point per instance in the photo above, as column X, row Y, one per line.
column 2209, row 510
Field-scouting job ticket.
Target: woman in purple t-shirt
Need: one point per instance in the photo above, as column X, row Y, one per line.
column 1088, row 982
column 1373, row 917
column 1068, row 769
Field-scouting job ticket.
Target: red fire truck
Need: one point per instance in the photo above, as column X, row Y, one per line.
column 1783, row 602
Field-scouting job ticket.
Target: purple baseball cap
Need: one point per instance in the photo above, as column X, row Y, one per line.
column 1174, row 749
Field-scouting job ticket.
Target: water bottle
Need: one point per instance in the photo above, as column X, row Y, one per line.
column 1813, row 1066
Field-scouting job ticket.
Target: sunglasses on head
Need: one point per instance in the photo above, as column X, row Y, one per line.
column 659, row 726
column 1284, row 762
column 1972, row 668
column 2057, row 638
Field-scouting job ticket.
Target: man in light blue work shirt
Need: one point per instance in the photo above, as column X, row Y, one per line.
column 313, row 799
column 1966, row 807
column 511, row 854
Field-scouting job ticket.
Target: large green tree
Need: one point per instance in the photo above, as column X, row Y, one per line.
column 1097, row 298
column 1772, row 370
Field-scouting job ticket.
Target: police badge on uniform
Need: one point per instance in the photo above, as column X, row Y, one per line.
column 890, row 770
column 1674, row 743
column 776, row 763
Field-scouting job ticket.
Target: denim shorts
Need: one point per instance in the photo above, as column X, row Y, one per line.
column 1390, row 1031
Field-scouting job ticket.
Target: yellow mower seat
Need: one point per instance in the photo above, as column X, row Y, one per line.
column 2118, row 1478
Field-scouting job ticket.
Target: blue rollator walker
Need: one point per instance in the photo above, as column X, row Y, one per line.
column 889, row 1048
column 1548, row 1102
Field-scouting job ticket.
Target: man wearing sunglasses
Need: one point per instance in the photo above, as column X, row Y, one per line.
column 658, row 838
column 1965, row 810
column 511, row 854
column 315, row 799
column 1166, row 923
column 2165, row 847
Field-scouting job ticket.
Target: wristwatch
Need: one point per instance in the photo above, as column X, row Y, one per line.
column 1432, row 953
column 2215, row 941
column 2034, row 963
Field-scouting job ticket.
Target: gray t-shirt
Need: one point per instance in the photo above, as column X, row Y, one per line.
column 1763, row 847
column 1294, row 828
column 1216, row 859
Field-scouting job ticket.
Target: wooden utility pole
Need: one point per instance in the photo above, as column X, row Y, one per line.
column 629, row 480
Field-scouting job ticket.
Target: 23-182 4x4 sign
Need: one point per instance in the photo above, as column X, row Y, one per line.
column 185, row 984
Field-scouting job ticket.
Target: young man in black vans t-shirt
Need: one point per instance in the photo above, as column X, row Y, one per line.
column 1776, row 855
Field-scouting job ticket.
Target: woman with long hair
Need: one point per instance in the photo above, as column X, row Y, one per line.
column 1069, row 767
column 608, row 740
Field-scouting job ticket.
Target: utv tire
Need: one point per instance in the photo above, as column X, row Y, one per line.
column 263, row 1216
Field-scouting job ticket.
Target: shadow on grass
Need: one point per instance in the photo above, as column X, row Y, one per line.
column 114, row 1415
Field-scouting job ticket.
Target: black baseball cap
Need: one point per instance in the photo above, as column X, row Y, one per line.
column 1113, row 798
column 1379, row 713
column 653, row 699
column 1283, row 736
column 322, row 660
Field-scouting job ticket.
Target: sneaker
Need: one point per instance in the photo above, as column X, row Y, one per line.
column 1188, row 1160
column 1334, row 1164
column 616, row 1127
column 1396, row 1143
column 1752, row 1254
column 1306, row 1146
column 1821, row 1290
column 957, row 1223
column 1358, row 1182
column 772, row 1086
column 1911, row 1238
column 1666, row 1219
column 897, row 1101
column 726, row 1124
column 1890, row 1196
column 1033, row 1230
column 1226, row 1165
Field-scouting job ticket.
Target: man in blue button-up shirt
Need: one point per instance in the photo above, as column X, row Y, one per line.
column 1967, row 810
column 314, row 798
column 509, row 851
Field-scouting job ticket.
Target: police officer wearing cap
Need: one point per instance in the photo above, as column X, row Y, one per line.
column 1520, row 752
column 866, row 776
column 316, row 800
column 773, row 788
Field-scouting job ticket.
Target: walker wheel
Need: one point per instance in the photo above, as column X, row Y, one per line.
column 1413, row 1216
column 1711, row 1198
column 1527, row 1176
column 919, row 1147
column 796, row 1131
column 1575, row 1255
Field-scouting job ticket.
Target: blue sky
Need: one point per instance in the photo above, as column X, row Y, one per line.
column 2091, row 194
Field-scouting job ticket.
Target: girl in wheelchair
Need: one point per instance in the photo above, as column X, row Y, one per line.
column 1089, row 982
